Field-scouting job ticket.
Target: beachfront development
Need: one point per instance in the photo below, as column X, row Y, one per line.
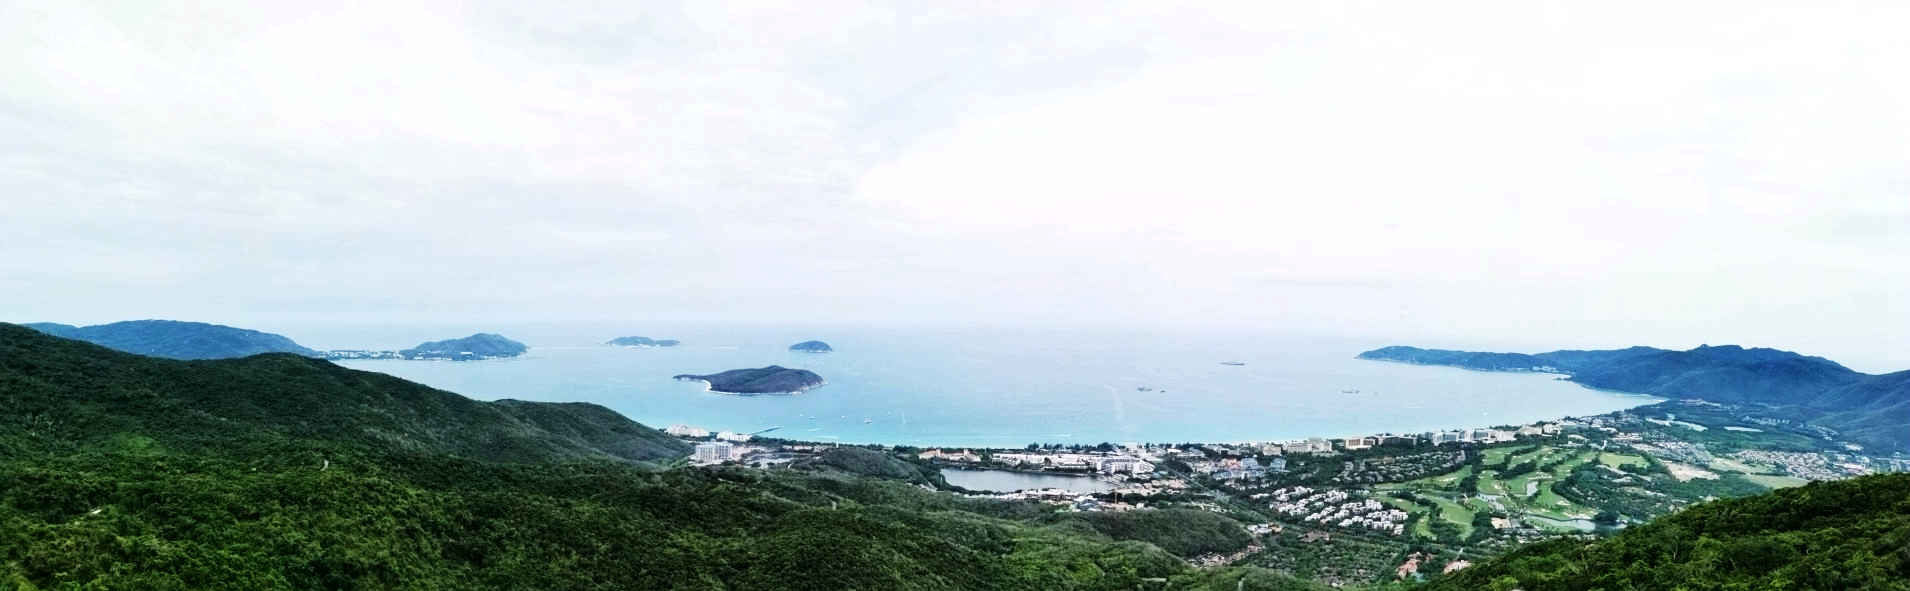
column 1362, row 506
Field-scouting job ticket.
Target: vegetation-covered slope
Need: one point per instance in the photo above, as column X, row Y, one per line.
column 173, row 339
column 1852, row 534
column 80, row 394
column 277, row 472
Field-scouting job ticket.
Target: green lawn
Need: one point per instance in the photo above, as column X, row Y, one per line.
column 1490, row 484
column 1534, row 455
column 1420, row 528
column 1497, row 455
column 1452, row 511
column 1547, row 503
column 1724, row 464
column 1449, row 510
column 1445, row 482
column 1516, row 486
column 1615, row 459
column 1566, row 468
column 1774, row 481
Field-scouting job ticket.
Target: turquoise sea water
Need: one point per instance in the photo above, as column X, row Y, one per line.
column 1010, row 387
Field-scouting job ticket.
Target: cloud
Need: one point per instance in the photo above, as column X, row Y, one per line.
column 1616, row 173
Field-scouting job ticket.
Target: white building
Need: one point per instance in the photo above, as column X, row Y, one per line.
column 1117, row 464
column 736, row 437
column 686, row 431
column 714, row 452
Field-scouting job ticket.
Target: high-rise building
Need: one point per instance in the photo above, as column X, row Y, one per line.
column 712, row 452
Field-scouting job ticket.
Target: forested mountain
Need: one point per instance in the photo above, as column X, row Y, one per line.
column 77, row 393
column 281, row 472
column 1852, row 534
column 1870, row 409
column 177, row 340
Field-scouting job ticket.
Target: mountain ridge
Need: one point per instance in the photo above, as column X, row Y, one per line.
column 177, row 339
column 278, row 396
column 1870, row 409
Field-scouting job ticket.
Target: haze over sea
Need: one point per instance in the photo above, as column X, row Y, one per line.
column 998, row 387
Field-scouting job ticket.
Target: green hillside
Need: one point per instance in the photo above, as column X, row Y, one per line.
column 1852, row 534
column 174, row 339
column 73, row 395
column 280, row 472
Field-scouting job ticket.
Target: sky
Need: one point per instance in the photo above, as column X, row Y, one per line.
column 1523, row 175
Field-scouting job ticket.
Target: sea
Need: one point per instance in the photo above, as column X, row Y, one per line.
column 998, row 387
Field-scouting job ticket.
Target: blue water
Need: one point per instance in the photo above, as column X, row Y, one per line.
column 1013, row 387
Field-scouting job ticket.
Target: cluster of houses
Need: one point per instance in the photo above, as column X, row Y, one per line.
column 688, row 432
column 723, row 447
column 1334, row 507
column 1398, row 468
column 1323, row 445
column 1105, row 463
column 1239, row 468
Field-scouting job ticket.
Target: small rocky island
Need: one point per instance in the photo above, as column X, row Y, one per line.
column 477, row 346
column 774, row 379
column 811, row 347
column 642, row 342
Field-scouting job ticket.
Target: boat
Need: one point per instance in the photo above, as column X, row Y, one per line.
column 1232, row 363
column 867, row 421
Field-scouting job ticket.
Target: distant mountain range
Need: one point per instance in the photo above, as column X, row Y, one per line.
column 173, row 339
column 477, row 346
column 1870, row 409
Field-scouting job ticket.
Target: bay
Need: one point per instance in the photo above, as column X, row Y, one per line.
column 1010, row 387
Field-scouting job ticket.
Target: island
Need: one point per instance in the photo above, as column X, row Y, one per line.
column 474, row 347
column 642, row 342
column 774, row 379
column 811, row 347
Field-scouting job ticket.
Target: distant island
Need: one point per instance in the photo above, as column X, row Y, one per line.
column 173, row 339
column 477, row 346
column 811, row 347
column 774, row 379
column 642, row 342
column 1868, row 409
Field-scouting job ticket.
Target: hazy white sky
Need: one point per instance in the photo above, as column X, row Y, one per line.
column 1520, row 173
